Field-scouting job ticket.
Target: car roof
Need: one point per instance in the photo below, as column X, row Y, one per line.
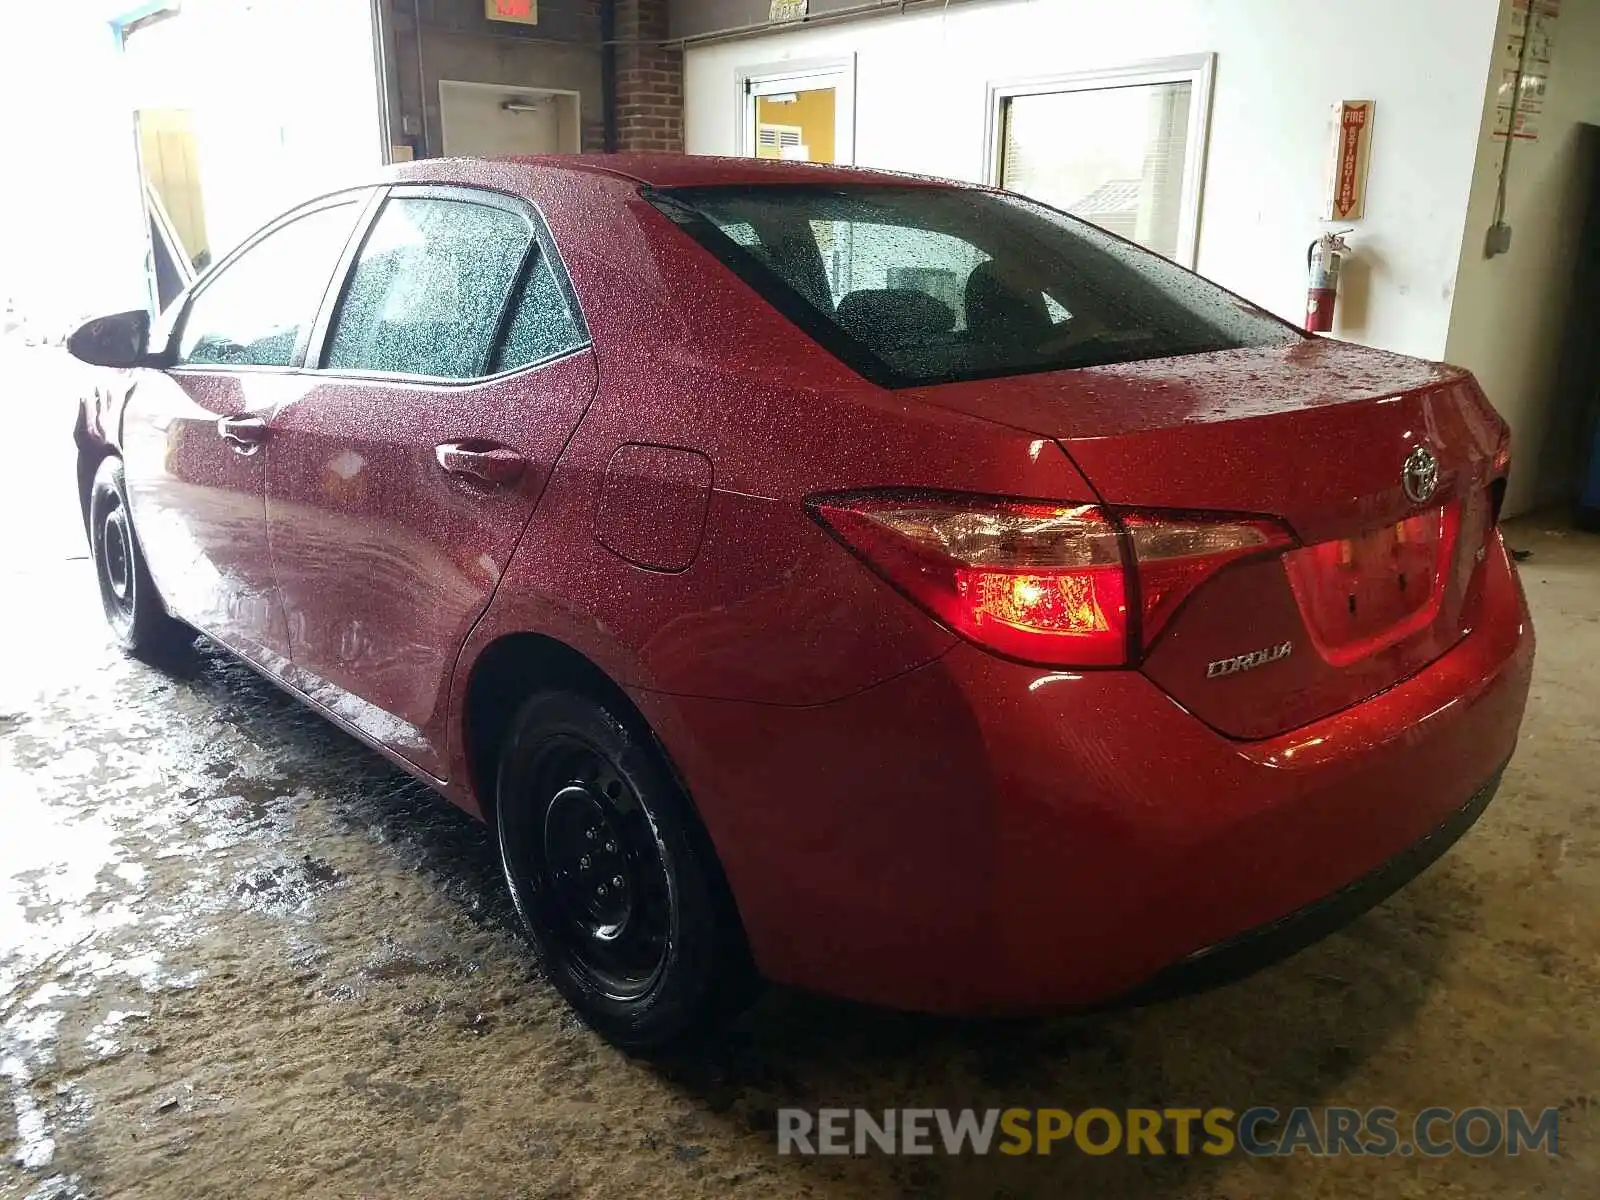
column 696, row 170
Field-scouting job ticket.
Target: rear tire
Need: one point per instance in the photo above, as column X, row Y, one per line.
column 138, row 618
column 613, row 876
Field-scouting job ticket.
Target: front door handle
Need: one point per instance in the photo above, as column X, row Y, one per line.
column 244, row 433
column 483, row 462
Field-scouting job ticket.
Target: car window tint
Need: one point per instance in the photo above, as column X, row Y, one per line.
column 543, row 323
column 428, row 289
column 918, row 285
column 868, row 256
column 257, row 309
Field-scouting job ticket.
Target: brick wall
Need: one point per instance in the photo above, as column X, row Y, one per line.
column 649, row 79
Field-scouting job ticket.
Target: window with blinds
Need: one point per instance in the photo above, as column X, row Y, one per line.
column 1118, row 154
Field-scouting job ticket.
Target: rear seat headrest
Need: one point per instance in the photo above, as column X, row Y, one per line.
column 895, row 316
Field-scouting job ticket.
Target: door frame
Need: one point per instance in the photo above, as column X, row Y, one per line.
column 1197, row 70
column 839, row 72
column 160, row 229
column 506, row 89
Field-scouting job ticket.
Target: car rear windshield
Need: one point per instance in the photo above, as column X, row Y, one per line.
column 916, row 284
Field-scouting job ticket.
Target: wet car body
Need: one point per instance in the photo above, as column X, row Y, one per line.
column 901, row 814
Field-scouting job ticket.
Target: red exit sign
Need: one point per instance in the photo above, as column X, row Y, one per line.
column 520, row 12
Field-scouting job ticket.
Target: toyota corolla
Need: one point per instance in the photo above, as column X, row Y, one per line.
column 887, row 587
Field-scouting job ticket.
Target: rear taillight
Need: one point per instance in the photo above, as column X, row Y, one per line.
column 1043, row 583
column 1502, row 457
column 1361, row 595
column 1499, row 476
column 1177, row 553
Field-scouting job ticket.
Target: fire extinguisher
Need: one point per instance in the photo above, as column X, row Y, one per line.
column 1323, row 259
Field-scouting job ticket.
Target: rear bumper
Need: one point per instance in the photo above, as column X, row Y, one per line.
column 977, row 835
column 1246, row 953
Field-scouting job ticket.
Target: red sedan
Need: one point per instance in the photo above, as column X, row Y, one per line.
column 887, row 587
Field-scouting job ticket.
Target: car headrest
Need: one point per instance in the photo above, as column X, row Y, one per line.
column 894, row 316
column 999, row 311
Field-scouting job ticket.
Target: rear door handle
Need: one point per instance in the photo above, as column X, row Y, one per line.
column 244, row 433
column 482, row 461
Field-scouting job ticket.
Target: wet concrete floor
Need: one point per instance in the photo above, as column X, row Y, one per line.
column 242, row 956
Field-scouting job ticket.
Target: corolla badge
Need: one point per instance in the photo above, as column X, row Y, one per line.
column 1420, row 475
column 1249, row 662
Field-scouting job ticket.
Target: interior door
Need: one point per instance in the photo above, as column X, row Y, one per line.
column 481, row 121
column 192, row 434
column 454, row 369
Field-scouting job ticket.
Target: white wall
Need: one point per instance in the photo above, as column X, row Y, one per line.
column 1511, row 311
column 921, row 97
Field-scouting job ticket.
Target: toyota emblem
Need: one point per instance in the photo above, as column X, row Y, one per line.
column 1420, row 475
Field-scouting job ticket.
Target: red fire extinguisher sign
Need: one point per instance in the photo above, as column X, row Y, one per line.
column 1352, row 154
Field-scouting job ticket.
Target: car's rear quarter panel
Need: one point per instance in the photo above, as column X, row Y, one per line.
column 771, row 609
column 772, row 616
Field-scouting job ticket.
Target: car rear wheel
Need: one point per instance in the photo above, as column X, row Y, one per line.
column 134, row 610
column 613, row 876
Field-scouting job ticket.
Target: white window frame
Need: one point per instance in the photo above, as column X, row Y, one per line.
column 800, row 75
column 1197, row 70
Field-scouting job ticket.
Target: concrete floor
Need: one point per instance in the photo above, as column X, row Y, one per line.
column 241, row 956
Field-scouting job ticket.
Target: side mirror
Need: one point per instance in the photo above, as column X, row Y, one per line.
column 121, row 340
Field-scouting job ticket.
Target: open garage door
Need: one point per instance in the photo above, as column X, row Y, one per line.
column 242, row 108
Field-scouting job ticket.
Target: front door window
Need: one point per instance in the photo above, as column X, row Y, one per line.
column 258, row 311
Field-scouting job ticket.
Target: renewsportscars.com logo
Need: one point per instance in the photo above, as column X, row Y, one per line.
column 1256, row 1132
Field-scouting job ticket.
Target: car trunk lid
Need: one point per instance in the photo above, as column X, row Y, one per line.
column 1322, row 436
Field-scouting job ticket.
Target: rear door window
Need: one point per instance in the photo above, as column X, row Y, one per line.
column 915, row 285
column 429, row 289
column 545, row 321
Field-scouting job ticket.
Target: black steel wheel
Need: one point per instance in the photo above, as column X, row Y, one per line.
column 139, row 620
column 605, row 889
column 114, row 566
column 613, row 876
